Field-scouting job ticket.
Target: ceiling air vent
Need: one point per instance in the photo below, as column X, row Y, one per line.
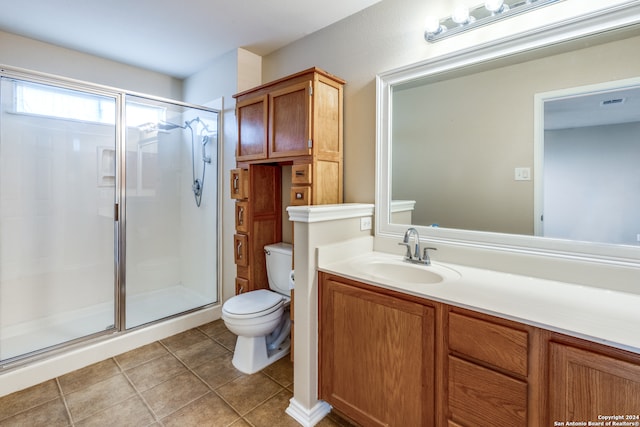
column 614, row 101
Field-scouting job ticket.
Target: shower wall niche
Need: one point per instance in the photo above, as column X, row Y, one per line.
column 101, row 230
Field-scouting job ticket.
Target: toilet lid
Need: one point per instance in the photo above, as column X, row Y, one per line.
column 252, row 302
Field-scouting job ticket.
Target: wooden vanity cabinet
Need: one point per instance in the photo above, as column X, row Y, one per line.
column 587, row 380
column 377, row 354
column 386, row 358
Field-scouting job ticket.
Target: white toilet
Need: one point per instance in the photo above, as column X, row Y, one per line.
column 260, row 318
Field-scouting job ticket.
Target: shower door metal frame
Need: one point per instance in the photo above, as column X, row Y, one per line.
column 121, row 314
column 119, row 264
column 94, row 89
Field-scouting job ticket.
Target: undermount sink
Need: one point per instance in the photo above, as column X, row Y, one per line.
column 400, row 271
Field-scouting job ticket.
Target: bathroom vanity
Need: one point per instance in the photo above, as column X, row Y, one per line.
column 467, row 351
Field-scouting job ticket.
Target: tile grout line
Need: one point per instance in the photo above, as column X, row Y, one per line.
column 29, row 408
column 211, row 389
column 241, row 416
column 138, row 393
column 64, row 402
column 121, row 372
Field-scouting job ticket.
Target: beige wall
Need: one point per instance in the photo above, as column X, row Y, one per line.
column 383, row 37
column 22, row 52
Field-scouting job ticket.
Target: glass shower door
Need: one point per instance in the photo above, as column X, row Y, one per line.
column 57, row 195
column 171, row 209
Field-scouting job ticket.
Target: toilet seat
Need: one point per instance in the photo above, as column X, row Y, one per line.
column 252, row 304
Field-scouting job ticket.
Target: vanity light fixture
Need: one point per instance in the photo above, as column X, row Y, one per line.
column 463, row 18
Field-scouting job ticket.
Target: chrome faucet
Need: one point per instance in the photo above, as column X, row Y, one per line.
column 415, row 257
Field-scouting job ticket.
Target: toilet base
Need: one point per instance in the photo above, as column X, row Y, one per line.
column 251, row 353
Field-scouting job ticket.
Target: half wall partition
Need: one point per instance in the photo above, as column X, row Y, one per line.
column 108, row 212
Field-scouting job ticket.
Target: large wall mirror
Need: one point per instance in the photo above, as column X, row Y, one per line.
column 530, row 143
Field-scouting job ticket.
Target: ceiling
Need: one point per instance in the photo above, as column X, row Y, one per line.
column 612, row 106
column 173, row 37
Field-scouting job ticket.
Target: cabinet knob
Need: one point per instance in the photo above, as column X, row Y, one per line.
column 299, row 196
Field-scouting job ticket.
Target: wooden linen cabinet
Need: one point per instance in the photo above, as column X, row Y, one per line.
column 296, row 121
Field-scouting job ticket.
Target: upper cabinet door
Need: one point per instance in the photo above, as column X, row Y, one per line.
column 290, row 121
column 252, row 119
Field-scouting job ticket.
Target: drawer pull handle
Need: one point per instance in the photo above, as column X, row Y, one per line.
column 299, row 173
column 240, row 216
column 239, row 250
column 236, row 189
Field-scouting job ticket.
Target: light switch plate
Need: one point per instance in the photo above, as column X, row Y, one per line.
column 523, row 174
column 365, row 223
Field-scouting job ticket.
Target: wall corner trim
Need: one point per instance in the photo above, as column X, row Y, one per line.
column 321, row 213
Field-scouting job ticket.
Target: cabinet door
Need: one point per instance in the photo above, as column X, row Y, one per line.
column 265, row 218
column 290, row 121
column 585, row 384
column 252, row 117
column 376, row 355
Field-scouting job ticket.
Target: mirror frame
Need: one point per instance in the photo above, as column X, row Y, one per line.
column 601, row 21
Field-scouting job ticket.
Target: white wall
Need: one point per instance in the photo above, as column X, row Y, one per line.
column 231, row 73
column 587, row 164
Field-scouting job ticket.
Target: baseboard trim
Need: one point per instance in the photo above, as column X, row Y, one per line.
column 307, row 417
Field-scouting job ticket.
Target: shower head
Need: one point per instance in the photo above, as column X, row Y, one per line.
column 168, row 126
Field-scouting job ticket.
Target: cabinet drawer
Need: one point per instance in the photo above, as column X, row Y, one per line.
column 242, row 285
column 301, row 174
column 500, row 346
column 300, row 196
column 241, row 249
column 481, row 397
column 239, row 184
column 242, row 220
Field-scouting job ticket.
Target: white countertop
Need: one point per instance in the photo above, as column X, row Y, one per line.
column 600, row 315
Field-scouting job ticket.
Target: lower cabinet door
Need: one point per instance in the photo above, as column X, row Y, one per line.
column 585, row 385
column 377, row 356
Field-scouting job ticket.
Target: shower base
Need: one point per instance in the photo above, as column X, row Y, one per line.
column 39, row 334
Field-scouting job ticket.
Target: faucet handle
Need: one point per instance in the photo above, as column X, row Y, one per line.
column 408, row 246
column 425, row 254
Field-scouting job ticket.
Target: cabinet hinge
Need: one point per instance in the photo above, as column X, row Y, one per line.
column 310, row 90
column 310, row 143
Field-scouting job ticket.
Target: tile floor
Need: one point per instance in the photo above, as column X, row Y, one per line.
column 184, row 380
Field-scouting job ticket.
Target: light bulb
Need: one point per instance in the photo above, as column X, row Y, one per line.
column 432, row 25
column 461, row 16
column 495, row 6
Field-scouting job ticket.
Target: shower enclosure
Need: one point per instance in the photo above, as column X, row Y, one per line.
column 108, row 212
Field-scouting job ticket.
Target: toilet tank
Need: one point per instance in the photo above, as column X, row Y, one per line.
column 279, row 257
